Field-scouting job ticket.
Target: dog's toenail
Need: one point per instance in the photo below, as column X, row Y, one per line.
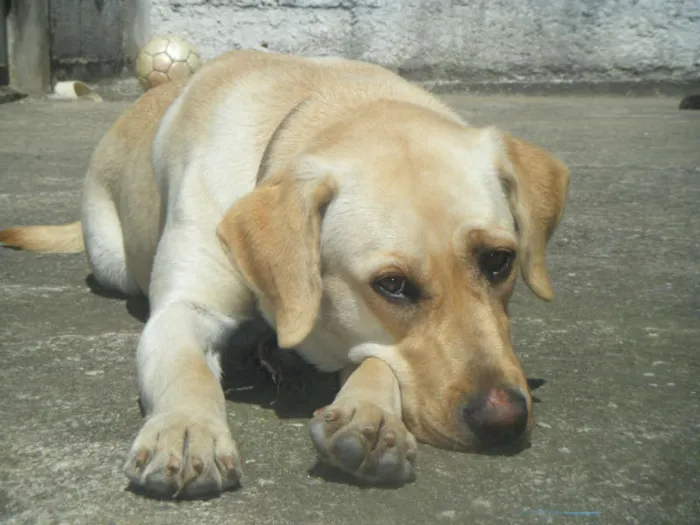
column 319, row 411
column 330, row 415
column 197, row 464
column 229, row 462
column 390, row 439
column 173, row 465
column 141, row 459
column 411, row 455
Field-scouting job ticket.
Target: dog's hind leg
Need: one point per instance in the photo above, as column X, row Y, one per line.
column 104, row 241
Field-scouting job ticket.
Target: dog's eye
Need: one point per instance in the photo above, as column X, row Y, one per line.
column 396, row 288
column 496, row 264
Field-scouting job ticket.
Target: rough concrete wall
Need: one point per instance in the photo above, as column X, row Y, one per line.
column 477, row 41
column 87, row 38
column 4, row 63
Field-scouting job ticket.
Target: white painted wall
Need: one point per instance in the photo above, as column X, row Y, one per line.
column 455, row 40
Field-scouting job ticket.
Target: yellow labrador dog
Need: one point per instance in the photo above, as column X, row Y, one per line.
column 363, row 219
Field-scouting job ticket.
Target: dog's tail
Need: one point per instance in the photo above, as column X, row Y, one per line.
column 66, row 238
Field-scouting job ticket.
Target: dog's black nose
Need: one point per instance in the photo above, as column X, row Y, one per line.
column 497, row 416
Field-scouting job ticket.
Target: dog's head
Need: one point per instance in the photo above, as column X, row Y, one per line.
column 397, row 235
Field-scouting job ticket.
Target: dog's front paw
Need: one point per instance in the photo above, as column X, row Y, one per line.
column 180, row 455
column 365, row 441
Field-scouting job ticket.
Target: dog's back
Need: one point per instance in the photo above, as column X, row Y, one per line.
column 231, row 113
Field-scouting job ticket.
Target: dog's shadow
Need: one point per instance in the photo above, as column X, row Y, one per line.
column 284, row 382
column 299, row 391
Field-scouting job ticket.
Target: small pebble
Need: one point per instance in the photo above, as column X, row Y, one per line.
column 481, row 503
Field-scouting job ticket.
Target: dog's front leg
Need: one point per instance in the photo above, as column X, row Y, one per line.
column 185, row 447
column 362, row 432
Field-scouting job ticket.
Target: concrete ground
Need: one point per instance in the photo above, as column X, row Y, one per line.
column 617, row 438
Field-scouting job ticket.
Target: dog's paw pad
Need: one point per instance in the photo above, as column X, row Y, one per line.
column 183, row 456
column 365, row 441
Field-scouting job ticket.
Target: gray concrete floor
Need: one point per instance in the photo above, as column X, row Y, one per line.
column 619, row 417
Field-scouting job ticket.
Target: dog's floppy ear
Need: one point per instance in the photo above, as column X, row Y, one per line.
column 272, row 236
column 537, row 185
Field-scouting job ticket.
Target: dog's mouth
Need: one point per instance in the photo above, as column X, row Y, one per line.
column 436, row 432
column 436, row 436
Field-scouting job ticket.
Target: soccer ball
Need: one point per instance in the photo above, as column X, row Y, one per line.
column 166, row 58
